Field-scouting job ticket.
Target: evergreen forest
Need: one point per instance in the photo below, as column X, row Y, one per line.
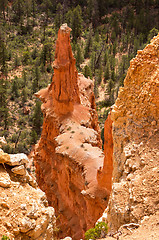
column 105, row 36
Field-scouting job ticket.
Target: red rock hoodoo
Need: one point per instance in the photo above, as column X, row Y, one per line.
column 65, row 92
column 68, row 155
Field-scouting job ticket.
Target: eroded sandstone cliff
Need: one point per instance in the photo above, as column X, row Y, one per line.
column 24, row 211
column 135, row 192
column 69, row 153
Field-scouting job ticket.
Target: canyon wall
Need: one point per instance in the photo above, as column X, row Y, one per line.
column 24, row 211
column 68, row 155
column 135, row 116
column 105, row 174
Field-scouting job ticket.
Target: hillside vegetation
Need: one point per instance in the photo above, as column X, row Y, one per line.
column 105, row 37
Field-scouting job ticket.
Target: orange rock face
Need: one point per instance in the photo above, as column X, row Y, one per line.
column 105, row 176
column 68, row 155
column 135, row 117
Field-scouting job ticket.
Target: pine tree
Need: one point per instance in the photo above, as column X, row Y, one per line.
column 136, row 45
column 49, row 52
column 34, row 137
column 46, row 6
column 79, row 57
column 4, row 111
column 106, row 73
column 106, row 57
column 87, row 72
column 114, row 48
column 69, row 16
column 76, row 23
column 3, row 5
column 18, row 9
column 112, row 62
column 3, row 57
column 89, row 9
column 110, row 87
column 26, row 57
column 93, row 12
column 99, row 74
column 113, row 75
column 34, row 11
column 16, row 61
column 24, row 78
column 34, row 53
column 24, row 96
column 15, row 92
column 153, row 32
column 88, row 44
column 111, row 97
column 36, row 80
column 37, row 118
column 46, row 53
column 115, row 24
column 27, row 5
column 44, row 22
column 92, row 62
column 96, row 92
column 59, row 16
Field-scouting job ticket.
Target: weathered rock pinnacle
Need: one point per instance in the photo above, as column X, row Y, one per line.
column 65, row 90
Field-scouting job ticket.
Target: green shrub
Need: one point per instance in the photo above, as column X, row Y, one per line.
column 22, row 147
column 16, row 61
column 34, row 137
column 34, row 53
column 7, row 148
column 5, row 238
column 49, row 69
column 99, row 231
column 153, row 32
column 14, row 138
column 26, row 57
column 22, row 121
column 87, row 72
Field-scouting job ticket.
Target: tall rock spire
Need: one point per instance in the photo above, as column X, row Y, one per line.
column 65, row 90
column 68, row 154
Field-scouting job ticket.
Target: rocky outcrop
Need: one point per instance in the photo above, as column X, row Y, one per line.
column 135, row 191
column 69, row 153
column 24, row 211
column 148, row 229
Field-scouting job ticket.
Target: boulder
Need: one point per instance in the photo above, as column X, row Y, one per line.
column 4, row 157
column 6, row 183
column 19, row 170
